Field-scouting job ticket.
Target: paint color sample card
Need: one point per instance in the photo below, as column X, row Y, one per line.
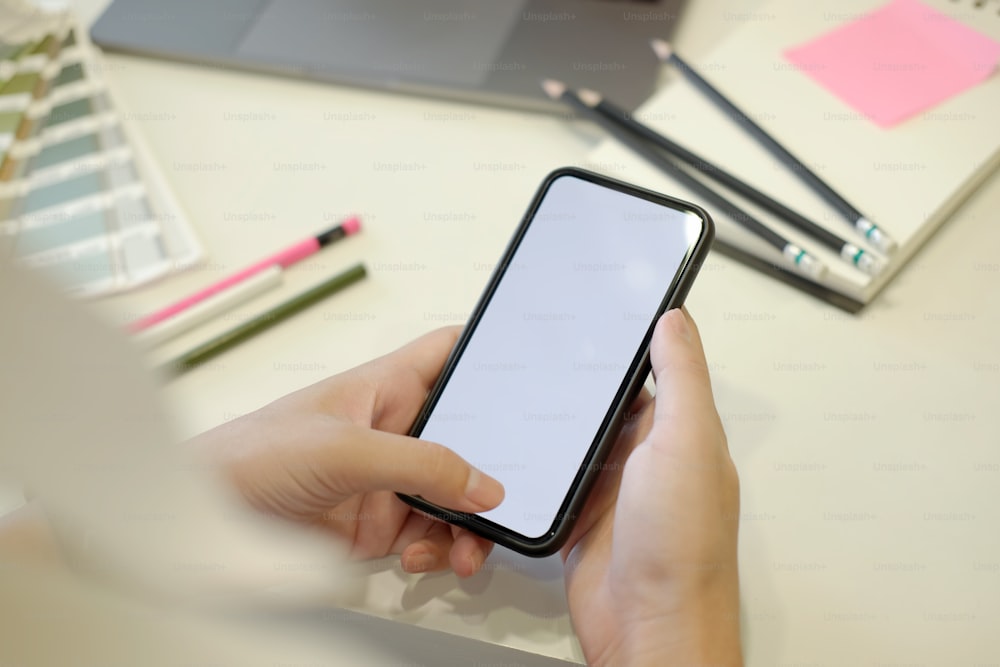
column 79, row 196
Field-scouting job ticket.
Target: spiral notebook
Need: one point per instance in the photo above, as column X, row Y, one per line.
column 908, row 178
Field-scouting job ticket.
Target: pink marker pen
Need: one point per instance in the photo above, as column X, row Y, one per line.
column 283, row 258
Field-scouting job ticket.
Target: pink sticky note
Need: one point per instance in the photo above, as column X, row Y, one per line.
column 898, row 60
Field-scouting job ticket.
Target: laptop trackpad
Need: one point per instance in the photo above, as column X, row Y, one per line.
column 444, row 41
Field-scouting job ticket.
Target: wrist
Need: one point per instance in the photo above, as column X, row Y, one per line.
column 699, row 630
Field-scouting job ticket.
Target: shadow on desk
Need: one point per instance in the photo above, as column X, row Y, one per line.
column 410, row 645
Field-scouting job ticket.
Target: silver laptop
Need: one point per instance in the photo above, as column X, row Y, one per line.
column 491, row 51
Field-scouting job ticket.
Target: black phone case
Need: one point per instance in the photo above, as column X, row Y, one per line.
column 636, row 375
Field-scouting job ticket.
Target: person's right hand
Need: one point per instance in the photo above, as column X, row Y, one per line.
column 332, row 456
column 651, row 570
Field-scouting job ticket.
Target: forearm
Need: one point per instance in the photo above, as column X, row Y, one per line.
column 25, row 537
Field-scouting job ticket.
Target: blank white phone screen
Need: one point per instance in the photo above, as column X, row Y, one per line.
column 542, row 368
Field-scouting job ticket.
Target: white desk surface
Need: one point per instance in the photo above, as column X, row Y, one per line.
column 868, row 446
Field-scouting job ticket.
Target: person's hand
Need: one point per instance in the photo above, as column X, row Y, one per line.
column 651, row 570
column 331, row 456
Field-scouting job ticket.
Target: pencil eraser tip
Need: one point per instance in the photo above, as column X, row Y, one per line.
column 352, row 225
column 884, row 243
column 878, row 238
column 870, row 264
column 812, row 267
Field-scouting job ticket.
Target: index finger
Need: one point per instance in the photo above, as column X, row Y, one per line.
column 402, row 379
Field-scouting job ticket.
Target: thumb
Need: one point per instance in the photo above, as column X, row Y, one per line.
column 380, row 461
column 684, row 402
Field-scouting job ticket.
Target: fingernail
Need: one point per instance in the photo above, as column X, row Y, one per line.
column 678, row 321
column 482, row 490
column 419, row 562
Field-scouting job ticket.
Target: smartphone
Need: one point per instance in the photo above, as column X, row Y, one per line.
column 557, row 348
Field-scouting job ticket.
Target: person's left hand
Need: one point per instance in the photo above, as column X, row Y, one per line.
column 331, row 456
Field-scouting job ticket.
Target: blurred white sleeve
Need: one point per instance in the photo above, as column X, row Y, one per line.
column 80, row 428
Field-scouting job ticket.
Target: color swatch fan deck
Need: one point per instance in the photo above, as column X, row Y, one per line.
column 79, row 196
